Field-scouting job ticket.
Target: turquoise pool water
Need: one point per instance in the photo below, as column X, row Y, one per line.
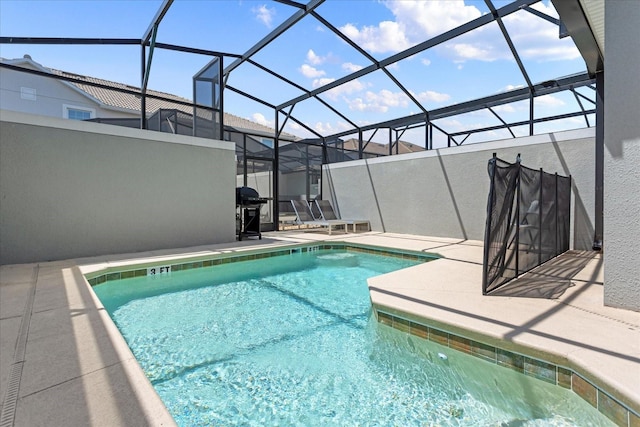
column 291, row 341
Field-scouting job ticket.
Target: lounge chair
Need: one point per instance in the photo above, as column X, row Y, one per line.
column 304, row 216
column 322, row 209
column 287, row 214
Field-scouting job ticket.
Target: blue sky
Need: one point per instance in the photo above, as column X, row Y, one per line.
column 471, row 66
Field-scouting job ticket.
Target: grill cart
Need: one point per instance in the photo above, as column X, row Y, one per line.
column 248, row 204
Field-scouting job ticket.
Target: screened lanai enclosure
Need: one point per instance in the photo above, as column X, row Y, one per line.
column 335, row 80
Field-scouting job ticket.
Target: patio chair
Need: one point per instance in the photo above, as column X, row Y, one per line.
column 304, row 216
column 287, row 215
column 322, row 209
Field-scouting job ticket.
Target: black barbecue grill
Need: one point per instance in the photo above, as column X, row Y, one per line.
column 248, row 203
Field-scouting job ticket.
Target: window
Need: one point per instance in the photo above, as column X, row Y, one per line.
column 78, row 114
column 28, row 93
column 72, row 112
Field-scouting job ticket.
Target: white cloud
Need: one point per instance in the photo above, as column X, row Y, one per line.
column 384, row 100
column 430, row 18
column 379, row 102
column 452, row 125
column 416, row 21
column 388, row 98
column 545, row 53
column 311, row 72
column 512, row 87
column 505, row 108
column 359, row 104
column 324, row 128
column 364, row 122
column 347, row 88
column 320, row 127
column 295, row 129
column 536, row 38
column 264, row 14
column 314, row 59
column 549, row 101
column 342, row 126
column 465, row 51
column 321, row 82
column 430, row 95
column 388, row 36
column 425, row 61
column 348, row 66
column 261, row 119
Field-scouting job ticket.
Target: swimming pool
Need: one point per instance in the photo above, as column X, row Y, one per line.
column 290, row 340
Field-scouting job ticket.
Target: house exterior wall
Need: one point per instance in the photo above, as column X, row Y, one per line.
column 444, row 192
column 50, row 96
column 75, row 189
column 621, row 229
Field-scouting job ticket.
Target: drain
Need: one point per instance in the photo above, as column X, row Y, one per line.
column 10, row 402
column 8, row 413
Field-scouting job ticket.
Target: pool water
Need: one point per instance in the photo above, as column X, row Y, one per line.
column 291, row 341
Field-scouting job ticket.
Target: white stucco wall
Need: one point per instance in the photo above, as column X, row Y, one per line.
column 621, row 229
column 293, row 185
column 74, row 189
column 444, row 192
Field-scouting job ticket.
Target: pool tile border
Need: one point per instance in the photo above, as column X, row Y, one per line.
column 118, row 273
column 558, row 375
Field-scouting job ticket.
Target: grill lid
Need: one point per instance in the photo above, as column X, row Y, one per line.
column 248, row 196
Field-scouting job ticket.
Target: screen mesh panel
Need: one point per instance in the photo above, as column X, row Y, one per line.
column 528, row 221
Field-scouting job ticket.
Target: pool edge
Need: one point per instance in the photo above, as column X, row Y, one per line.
column 566, row 373
column 591, row 385
column 97, row 274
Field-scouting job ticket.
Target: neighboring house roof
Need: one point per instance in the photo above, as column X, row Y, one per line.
column 119, row 101
column 383, row 149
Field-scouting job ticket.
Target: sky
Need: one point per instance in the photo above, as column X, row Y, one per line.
column 474, row 65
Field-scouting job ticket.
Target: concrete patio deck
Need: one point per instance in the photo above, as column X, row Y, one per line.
column 63, row 362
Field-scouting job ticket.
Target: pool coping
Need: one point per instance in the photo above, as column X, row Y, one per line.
column 55, row 305
column 96, row 276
